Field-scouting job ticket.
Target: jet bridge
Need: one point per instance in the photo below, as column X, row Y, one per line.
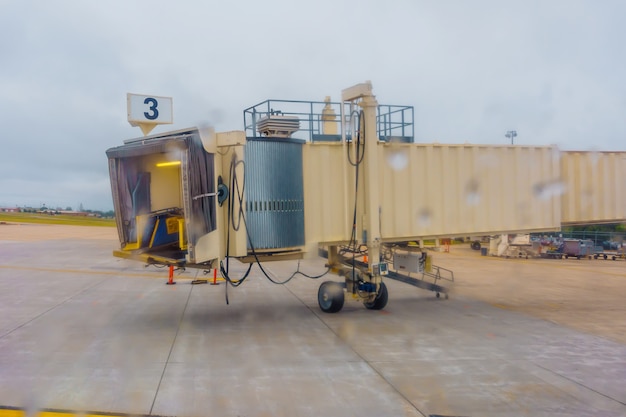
column 344, row 179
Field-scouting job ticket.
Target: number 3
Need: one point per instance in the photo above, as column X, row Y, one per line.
column 153, row 108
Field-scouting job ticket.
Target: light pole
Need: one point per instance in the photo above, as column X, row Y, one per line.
column 511, row 134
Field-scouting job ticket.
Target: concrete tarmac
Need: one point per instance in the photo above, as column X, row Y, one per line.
column 86, row 333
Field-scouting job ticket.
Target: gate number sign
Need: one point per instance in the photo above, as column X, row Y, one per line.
column 153, row 110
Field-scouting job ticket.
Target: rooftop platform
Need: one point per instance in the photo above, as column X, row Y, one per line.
column 320, row 121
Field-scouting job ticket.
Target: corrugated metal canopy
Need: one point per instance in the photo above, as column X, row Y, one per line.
column 149, row 146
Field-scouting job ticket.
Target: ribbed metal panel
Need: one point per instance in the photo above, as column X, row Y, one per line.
column 594, row 187
column 329, row 185
column 274, row 193
column 458, row 190
column 435, row 190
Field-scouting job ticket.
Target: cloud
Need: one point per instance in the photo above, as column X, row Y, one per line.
column 553, row 71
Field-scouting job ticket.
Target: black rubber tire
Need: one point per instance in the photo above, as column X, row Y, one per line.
column 475, row 245
column 330, row 297
column 381, row 299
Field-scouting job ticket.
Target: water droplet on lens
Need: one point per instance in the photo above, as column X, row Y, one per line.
column 424, row 217
column 398, row 160
column 472, row 194
column 549, row 189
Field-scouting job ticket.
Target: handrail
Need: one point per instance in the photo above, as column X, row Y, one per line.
column 321, row 120
column 438, row 275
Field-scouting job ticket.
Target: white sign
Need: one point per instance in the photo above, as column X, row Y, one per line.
column 150, row 110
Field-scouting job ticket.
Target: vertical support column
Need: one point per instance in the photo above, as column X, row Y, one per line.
column 214, row 277
column 333, row 258
column 170, row 280
column 371, row 223
column 362, row 94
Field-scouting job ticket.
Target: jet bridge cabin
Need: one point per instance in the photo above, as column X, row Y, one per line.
column 164, row 194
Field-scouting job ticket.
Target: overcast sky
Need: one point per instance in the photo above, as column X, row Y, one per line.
column 553, row 70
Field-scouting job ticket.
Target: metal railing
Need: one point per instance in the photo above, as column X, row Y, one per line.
column 436, row 273
column 598, row 237
column 322, row 120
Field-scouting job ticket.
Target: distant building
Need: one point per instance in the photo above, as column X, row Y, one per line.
column 10, row 209
column 77, row 213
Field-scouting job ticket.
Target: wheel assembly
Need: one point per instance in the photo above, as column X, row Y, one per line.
column 381, row 299
column 330, row 297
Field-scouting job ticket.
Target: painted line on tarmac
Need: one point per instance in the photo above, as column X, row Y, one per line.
column 82, row 271
column 49, row 412
column 159, row 275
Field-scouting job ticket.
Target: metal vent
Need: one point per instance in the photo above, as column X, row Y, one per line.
column 274, row 193
column 278, row 126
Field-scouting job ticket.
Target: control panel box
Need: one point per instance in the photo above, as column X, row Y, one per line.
column 408, row 262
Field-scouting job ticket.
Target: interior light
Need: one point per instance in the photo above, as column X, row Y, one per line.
column 168, row 164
